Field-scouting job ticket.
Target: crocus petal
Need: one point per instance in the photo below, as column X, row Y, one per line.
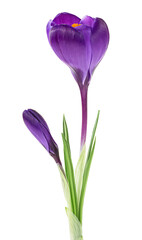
column 38, row 127
column 72, row 46
column 48, row 28
column 66, row 18
column 62, row 18
column 88, row 21
column 99, row 42
column 39, row 118
column 35, row 128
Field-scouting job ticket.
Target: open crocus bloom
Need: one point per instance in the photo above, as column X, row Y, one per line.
column 80, row 43
column 38, row 127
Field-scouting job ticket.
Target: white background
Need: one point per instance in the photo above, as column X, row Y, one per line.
column 31, row 76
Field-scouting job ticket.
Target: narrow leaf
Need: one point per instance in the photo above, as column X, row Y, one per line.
column 68, row 173
column 93, row 134
column 69, row 167
column 79, row 173
column 65, row 132
column 65, row 187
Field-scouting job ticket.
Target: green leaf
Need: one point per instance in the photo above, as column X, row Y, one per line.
column 79, row 173
column 65, row 186
column 69, row 168
column 75, row 226
column 87, row 168
column 65, row 132
column 93, row 134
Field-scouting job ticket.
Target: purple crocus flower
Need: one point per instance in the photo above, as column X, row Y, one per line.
column 38, row 127
column 81, row 44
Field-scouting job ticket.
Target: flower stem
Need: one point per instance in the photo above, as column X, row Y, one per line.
column 83, row 92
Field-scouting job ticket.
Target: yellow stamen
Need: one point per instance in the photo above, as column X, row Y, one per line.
column 75, row 25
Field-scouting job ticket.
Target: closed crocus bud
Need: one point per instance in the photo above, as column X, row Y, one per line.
column 38, row 127
column 81, row 44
